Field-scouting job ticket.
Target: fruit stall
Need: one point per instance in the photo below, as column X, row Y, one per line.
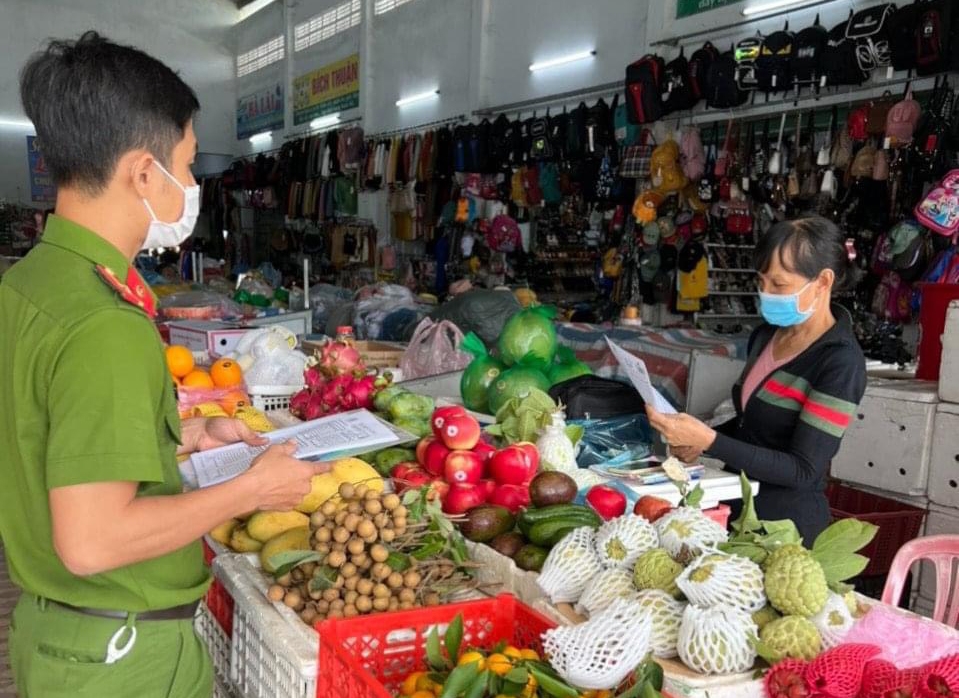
column 493, row 552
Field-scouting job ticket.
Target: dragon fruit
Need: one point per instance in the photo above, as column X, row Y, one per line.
column 314, row 378
column 338, row 358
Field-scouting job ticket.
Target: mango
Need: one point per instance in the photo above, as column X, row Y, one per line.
column 323, row 487
column 221, row 534
column 355, row 471
column 264, row 525
column 241, row 541
column 293, row 539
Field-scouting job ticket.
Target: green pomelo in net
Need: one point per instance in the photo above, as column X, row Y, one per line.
column 479, row 375
column 515, row 382
column 529, row 337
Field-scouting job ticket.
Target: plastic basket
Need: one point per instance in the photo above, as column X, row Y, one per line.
column 369, row 657
column 218, row 601
column 898, row 523
column 217, row 642
column 267, row 398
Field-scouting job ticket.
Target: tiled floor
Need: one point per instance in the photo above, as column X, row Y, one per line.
column 8, row 598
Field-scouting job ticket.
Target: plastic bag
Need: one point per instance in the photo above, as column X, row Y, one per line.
column 374, row 304
column 480, row 311
column 434, row 349
column 616, row 442
column 323, row 299
column 529, row 337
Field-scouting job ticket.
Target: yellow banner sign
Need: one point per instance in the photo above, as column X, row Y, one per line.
column 327, row 90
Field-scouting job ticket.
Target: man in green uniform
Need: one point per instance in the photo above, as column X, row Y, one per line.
column 97, row 530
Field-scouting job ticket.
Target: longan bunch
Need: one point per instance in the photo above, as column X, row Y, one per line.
column 355, row 577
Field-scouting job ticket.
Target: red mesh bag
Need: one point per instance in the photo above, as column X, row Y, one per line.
column 939, row 678
column 882, row 680
column 837, row 673
column 785, row 680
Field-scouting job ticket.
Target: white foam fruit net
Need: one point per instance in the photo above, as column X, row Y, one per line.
column 834, row 621
column 716, row 640
column 621, row 541
column 666, row 615
column 603, row 651
column 717, row 578
column 687, row 530
column 570, row 566
column 605, row 588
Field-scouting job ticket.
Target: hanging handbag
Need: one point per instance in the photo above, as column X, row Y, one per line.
column 776, row 160
column 822, row 157
column 635, row 159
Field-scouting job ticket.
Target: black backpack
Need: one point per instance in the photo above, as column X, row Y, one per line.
column 599, row 129
column 540, row 146
column 499, row 145
column 870, row 29
column 774, row 65
column 699, row 64
column 746, row 53
column 723, row 92
column 679, row 91
column 808, row 55
column 645, row 80
column 576, row 132
column 935, row 26
column 902, row 37
column 840, row 64
column 597, row 398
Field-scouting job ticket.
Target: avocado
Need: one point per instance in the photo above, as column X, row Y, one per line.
column 551, row 487
column 508, row 544
column 530, row 557
column 485, row 522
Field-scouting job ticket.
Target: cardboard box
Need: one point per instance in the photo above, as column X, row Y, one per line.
column 215, row 338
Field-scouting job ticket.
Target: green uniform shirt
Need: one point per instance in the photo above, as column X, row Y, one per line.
column 84, row 397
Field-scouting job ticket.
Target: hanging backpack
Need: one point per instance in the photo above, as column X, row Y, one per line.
column 540, row 146
column 626, row 134
column 939, row 210
column 934, row 39
column 870, row 29
column 692, row 154
column 746, row 53
column 902, row 120
column 699, row 64
column 679, row 92
column 878, row 113
column 576, row 132
column 644, row 89
column 723, row 92
column 808, row 55
column 840, row 63
column 774, row 64
column 499, row 142
column 902, row 37
column 599, row 134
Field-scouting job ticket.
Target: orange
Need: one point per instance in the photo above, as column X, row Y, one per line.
column 198, row 379
column 226, row 373
column 529, row 654
column 513, row 653
column 499, row 664
column 179, row 360
column 408, row 686
column 471, row 657
column 234, row 400
column 422, row 694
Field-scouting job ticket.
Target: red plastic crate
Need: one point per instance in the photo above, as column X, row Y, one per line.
column 898, row 523
column 368, row 657
column 220, row 603
column 208, row 553
column 720, row 514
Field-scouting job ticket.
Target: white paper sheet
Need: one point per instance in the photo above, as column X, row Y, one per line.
column 638, row 375
column 328, row 438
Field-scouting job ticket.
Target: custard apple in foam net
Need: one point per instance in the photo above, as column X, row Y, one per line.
column 717, row 578
column 833, row 621
column 666, row 614
column 623, row 539
column 792, row 637
column 688, row 532
column 655, row 569
column 796, row 584
column 570, row 566
column 717, row 640
column 604, row 588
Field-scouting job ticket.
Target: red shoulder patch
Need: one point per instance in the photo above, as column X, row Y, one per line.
column 133, row 290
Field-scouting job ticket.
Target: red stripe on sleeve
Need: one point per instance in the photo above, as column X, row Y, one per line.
column 827, row 414
column 777, row 388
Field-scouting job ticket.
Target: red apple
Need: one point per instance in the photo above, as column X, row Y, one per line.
column 490, row 486
column 438, row 488
column 434, row 458
column 533, row 453
column 485, row 450
column 511, row 466
column 606, row 501
column 513, row 497
column 652, row 508
column 462, row 497
column 463, row 466
column 401, row 469
column 421, row 448
column 460, row 432
column 412, row 479
column 441, row 416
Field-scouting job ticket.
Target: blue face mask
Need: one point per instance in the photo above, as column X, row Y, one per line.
column 783, row 311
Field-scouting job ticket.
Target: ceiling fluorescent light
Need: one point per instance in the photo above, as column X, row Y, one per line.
column 259, row 138
column 325, row 121
column 417, row 98
column 771, row 6
column 19, row 124
column 251, row 8
column 562, row 60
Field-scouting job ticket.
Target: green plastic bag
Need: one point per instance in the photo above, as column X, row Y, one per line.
column 529, row 337
column 567, row 367
column 515, row 382
column 479, row 375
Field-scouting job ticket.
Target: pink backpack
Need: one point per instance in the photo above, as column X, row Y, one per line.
column 902, row 120
column 939, row 210
column 692, row 154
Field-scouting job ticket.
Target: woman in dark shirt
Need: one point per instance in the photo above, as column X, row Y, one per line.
column 805, row 375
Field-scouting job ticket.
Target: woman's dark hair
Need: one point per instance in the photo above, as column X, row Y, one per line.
column 814, row 244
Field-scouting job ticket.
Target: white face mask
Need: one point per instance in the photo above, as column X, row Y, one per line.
column 162, row 234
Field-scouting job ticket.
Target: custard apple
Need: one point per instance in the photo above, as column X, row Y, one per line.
column 717, row 640
column 604, row 588
column 792, row 637
column 686, row 532
column 718, row 578
column 833, row 621
column 570, row 566
column 796, row 584
column 667, row 614
column 765, row 615
column 623, row 539
column 655, row 569
column 782, row 552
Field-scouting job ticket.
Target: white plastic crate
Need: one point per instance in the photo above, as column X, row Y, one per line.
column 218, row 645
column 268, row 398
column 270, row 657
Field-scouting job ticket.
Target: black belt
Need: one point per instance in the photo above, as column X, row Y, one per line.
column 184, row 612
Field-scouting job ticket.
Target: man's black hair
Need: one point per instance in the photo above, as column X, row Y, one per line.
column 92, row 100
